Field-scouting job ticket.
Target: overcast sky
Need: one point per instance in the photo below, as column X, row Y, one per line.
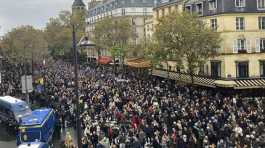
column 29, row 12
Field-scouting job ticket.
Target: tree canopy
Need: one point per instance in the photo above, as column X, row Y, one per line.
column 58, row 32
column 186, row 39
column 24, row 43
column 109, row 33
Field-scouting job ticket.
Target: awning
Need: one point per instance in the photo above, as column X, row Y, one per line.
column 138, row 63
column 186, row 78
column 211, row 82
column 250, row 83
column 204, row 81
column 104, row 59
column 225, row 83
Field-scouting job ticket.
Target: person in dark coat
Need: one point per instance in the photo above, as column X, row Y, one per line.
column 94, row 139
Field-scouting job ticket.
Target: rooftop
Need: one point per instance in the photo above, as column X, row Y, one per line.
column 10, row 99
column 78, row 3
column 36, row 118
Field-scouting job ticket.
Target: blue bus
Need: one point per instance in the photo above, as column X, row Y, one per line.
column 39, row 126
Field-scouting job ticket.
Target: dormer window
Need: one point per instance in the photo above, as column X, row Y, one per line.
column 199, row 8
column 261, row 4
column 240, row 3
column 212, row 4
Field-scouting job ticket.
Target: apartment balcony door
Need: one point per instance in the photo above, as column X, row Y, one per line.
column 262, row 68
column 216, row 69
column 242, row 69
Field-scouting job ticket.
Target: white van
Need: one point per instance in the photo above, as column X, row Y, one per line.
column 12, row 109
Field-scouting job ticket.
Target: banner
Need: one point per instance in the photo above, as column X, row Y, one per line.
column 26, row 83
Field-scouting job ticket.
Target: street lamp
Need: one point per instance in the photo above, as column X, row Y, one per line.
column 84, row 42
column 26, row 73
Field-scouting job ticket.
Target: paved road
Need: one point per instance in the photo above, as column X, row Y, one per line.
column 8, row 138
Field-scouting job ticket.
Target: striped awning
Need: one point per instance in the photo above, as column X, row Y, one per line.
column 250, row 83
column 203, row 81
column 211, row 82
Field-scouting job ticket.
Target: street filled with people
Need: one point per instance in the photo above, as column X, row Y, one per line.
column 126, row 109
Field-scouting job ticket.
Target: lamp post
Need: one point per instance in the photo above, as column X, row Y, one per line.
column 26, row 73
column 84, row 42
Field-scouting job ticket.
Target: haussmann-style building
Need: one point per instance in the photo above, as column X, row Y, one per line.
column 241, row 24
column 138, row 11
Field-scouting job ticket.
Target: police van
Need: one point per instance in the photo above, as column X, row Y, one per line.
column 39, row 126
column 12, row 110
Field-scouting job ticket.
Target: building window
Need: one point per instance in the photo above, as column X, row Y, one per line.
column 133, row 22
column 170, row 68
column 262, row 23
column 188, row 8
column 213, row 24
column 240, row 23
column 212, row 4
column 261, row 4
column 216, row 69
column 178, row 69
column 242, row 70
column 122, row 11
column 157, row 14
column 201, row 70
column 241, row 45
column 169, row 9
column 240, row 3
column 199, row 9
column 262, row 45
column 262, row 68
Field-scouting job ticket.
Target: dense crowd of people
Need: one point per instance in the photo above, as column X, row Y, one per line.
column 126, row 110
column 10, row 78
